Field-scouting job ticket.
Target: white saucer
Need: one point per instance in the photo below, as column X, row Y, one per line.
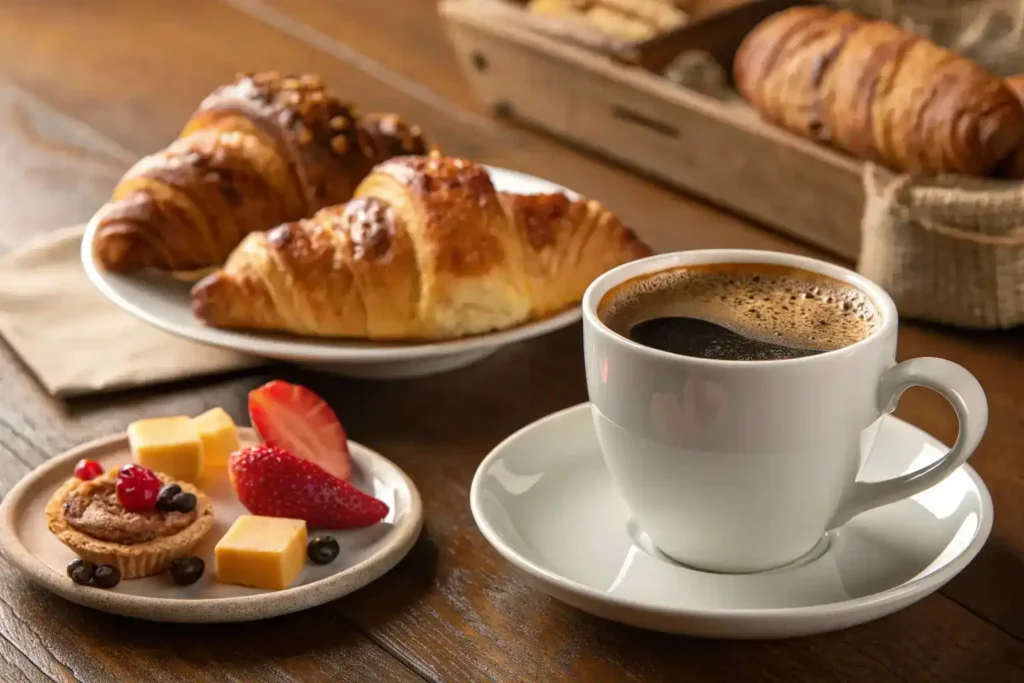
column 544, row 500
column 164, row 302
column 366, row 553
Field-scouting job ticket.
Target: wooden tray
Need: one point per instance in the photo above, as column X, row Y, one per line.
column 718, row 149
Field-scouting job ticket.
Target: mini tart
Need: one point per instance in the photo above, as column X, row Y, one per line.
column 134, row 560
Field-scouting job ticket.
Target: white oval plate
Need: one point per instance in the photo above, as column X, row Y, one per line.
column 544, row 499
column 165, row 303
column 366, row 553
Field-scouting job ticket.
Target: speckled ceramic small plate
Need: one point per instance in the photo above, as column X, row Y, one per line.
column 366, row 553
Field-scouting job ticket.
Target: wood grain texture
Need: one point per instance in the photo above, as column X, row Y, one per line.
column 453, row 610
column 15, row 666
column 44, row 149
column 374, row 37
column 85, row 645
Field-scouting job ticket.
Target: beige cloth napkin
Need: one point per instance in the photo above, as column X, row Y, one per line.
column 75, row 340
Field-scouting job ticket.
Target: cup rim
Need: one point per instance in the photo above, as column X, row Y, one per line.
column 668, row 260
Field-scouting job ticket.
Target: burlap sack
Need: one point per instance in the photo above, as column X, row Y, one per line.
column 948, row 250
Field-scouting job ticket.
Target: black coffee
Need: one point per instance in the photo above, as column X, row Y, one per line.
column 739, row 311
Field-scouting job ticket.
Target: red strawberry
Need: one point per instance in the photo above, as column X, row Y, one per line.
column 271, row 481
column 292, row 417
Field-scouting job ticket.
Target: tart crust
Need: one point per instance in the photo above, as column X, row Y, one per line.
column 138, row 559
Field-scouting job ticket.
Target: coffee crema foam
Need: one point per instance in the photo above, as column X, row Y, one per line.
column 766, row 302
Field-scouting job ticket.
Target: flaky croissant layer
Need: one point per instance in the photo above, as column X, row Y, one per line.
column 878, row 92
column 261, row 151
column 426, row 250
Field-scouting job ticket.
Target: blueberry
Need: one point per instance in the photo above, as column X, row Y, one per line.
column 322, row 550
column 187, row 570
column 164, row 499
column 81, row 571
column 106, row 576
column 183, row 502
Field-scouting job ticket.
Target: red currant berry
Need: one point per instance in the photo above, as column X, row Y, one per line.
column 88, row 469
column 137, row 488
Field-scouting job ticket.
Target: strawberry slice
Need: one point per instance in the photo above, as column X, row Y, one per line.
column 272, row 482
column 294, row 418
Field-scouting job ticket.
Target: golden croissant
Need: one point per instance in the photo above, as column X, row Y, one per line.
column 258, row 152
column 877, row 92
column 427, row 250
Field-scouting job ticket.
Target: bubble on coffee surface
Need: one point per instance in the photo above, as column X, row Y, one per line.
column 767, row 303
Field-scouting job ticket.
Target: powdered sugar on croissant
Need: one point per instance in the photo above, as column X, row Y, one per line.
column 426, row 250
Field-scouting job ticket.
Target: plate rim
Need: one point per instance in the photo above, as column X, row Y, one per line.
column 208, row 610
column 902, row 594
column 327, row 350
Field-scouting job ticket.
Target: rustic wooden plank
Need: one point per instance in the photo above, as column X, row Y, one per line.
column 90, row 646
column 403, row 44
column 15, row 667
column 451, row 611
column 44, row 149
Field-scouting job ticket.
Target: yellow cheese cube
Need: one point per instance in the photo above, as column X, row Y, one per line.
column 219, row 437
column 168, row 444
column 262, row 552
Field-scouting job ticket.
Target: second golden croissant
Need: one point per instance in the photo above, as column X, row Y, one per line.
column 427, row 250
column 878, row 92
column 258, row 152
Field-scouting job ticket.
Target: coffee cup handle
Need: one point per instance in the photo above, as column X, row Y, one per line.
column 965, row 394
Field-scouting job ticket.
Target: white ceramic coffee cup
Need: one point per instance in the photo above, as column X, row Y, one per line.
column 742, row 466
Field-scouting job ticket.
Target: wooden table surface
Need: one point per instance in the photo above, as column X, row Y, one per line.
column 87, row 87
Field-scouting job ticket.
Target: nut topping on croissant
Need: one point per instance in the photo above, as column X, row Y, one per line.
column 258, row 152
column 426, row 250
